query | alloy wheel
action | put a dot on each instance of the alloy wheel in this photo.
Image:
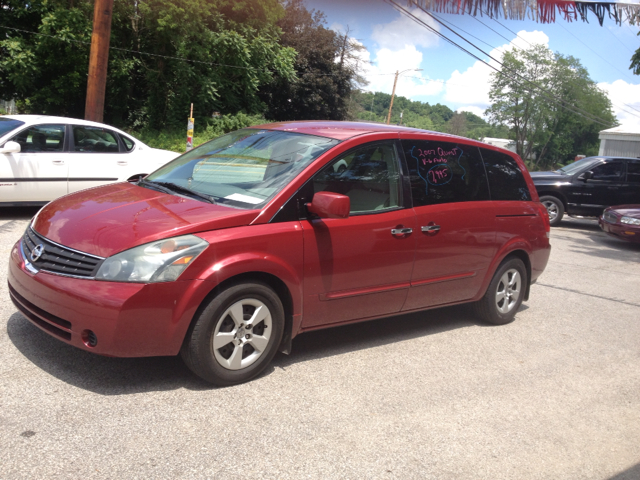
(242, 334)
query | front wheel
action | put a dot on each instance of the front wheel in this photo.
(236, 335)
(505, 293)
(555, 209)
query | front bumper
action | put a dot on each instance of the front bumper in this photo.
(127, 319)
(630, 233)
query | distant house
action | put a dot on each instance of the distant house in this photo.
(500, 142)
(622, 141)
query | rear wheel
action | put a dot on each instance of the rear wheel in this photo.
(236, 335)
(505, 293)
(555, 209)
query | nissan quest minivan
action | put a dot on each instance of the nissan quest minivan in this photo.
(230, 251)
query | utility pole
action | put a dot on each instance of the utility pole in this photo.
(98, 60)
(393, 93)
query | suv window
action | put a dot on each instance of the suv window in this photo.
(369, 176)
(506, 181)
(41, 138)
(633, 172)
(443, 172)
(608, 171)
(94, 140)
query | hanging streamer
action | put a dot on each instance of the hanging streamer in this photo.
(542, 11)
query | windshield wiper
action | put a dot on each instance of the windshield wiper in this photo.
(169, 187)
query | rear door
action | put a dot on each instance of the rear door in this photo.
(95, 158)
(38, 173)
(455, 232)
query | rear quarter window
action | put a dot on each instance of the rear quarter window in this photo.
(506, 181)
(444, 172)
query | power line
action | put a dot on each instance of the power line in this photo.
(561, 102)
(620, 106)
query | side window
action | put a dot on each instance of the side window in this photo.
(369, 176)
(608, 171)
(443, 172)
(633, 172)
(41, 139)
(94, 140)
(128, 143)
(506, 181)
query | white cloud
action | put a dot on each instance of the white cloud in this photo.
(405, 31)
(625, 97)
(471, 87)
(397, 51)
(472, 109)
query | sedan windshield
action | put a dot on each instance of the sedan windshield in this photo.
(579, 165)
(242, 169)
(8, 124)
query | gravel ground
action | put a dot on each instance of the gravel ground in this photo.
(435, 395)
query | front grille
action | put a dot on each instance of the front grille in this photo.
(610, 217)
(57, 258)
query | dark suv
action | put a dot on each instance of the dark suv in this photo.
(588, 186)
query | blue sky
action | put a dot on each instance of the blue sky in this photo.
(453, 78)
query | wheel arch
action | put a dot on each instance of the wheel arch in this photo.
(516, 249)
(554, 193)
(268, 279)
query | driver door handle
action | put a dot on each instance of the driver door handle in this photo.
(430, 228)
(401, 231)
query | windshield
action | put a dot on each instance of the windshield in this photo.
(579, 165)
(8, 124)
(243, 169)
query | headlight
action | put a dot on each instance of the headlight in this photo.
(161, 261)
(630, 220)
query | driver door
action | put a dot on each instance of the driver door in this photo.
(358, 267)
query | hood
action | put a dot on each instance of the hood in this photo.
(632, 211)
(107, 220)
(550, 177)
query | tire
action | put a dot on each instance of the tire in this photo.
(236, 335)
(341, 169)
(505, 293)
(555, 209)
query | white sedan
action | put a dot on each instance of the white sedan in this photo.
(44, 157)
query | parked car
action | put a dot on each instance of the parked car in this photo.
(233, 249)
(622, 221)
(44, 157)
(588, 186)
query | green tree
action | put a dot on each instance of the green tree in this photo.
(322, 87)
(531, 93)
(214, 53)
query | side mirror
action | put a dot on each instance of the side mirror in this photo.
(586, 176)
(10, 147)
(330, 205)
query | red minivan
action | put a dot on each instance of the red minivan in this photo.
(228, 252)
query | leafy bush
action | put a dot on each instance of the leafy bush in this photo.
(176, 140)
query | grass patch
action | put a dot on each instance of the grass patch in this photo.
(203, 131)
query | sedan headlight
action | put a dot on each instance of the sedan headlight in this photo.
(630, 220)
(161, 261)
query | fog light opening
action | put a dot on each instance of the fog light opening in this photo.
(89, 338)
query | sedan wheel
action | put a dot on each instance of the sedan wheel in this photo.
(236, 334)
